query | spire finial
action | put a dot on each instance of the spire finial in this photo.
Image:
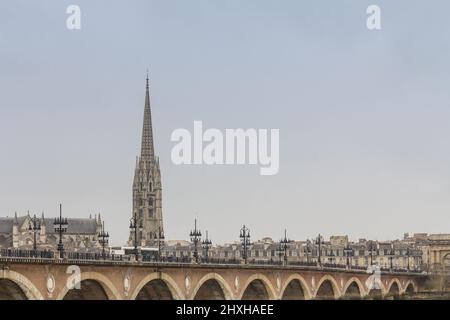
(147, 86)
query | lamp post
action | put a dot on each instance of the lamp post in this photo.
(35, 227)
(348, 251)
(195, 239)
(135, 226)
(284, 245)
(408, 254)
(206, 244)
(161, 238)
(319, 242)
(307, 252)
(372, 249)
(332, 255)
(244, 236)
(391, 258)
(60, 225)
(279, 251)
(103, 239)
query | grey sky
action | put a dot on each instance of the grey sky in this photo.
(363, 115)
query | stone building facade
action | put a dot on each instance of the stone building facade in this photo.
(397, 254)
(81, 234)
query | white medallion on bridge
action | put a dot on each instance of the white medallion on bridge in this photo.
(50, 283)
(126, 284)
(187, 282)
(313, 282)
(342, 283)
(236, 283)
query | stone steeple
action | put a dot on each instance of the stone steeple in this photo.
(147, 150)
(147, 190)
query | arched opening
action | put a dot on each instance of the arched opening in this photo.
(155, 290)
(210, 290)
(88, 290)
(409, 289)
(256, 290)
(352, 291)
(394, 291)
(9, 290)
(293, 291)
(326, 290)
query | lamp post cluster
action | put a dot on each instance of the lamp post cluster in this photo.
(348, 251)
(103, 239)
(161, 238)
(60, 225)
(284, 245)
(135, 227)
(244, 236)
(319, 242)
(372, 249)
(206, 245)
(35, 227)
(195, 239)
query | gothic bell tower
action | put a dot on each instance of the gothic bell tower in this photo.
(147, 185)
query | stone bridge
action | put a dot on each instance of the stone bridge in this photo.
(60, 279)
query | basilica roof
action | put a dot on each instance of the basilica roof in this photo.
(75, 225)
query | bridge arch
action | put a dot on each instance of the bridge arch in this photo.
(24, 284)
(214, 285)
(300, 284)
(165, 279)
(95, 278)
(393, 288)
(410, 287)
(257, 287)
(354, 288)
(327, 288)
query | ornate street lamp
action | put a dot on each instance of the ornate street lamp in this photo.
(319, 242)
(307, 252)
(161, 238)
(135, 227)
(35, 227)
(348, 251)
(60, 225)
(372, 250)
(195, 239)
(206, 245)
(408, 254)
(279, 251)
(244, 236)
(284, 245)
(103, 239)
(391, 257)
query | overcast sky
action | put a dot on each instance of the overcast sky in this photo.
(363, 115)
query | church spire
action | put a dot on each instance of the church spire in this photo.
(147, 151)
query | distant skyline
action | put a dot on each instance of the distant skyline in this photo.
(363, 115)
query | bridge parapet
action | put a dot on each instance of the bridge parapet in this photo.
(42, 278)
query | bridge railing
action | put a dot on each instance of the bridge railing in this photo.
(90, 256)
(95, 256)
(19, 253)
